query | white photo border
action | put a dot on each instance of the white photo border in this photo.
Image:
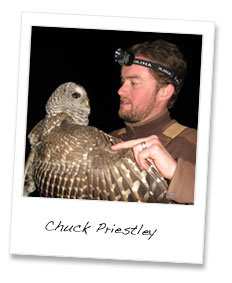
(178, 230)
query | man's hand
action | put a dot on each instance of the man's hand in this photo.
(150, 149)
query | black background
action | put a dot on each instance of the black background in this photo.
(86, 57)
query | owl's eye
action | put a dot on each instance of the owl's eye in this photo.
(76, 95)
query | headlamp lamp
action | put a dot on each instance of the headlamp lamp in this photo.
(127, 58)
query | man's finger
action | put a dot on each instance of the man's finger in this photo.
(131, 143)
(127, 144)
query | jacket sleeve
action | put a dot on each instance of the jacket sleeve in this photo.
(183, 148)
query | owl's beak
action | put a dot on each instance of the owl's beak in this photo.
(87, 102)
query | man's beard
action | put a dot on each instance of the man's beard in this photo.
(134, 115)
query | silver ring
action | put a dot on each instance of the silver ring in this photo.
(144, 145)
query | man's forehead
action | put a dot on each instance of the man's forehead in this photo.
(135, 72)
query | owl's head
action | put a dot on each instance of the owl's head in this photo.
(71, 99)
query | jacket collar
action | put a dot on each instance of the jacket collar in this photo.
(153, 126)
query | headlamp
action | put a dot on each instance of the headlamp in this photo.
(127, 58)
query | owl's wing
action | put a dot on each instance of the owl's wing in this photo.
(77, 162)
(34, 138)
(29, 185)
(132, 183)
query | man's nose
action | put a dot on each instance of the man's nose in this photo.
(123, 90)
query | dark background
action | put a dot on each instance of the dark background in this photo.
(86, 57)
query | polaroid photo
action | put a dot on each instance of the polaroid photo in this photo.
(76, 210)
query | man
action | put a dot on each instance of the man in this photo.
(152, 75)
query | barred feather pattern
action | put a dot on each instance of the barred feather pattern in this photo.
(69, 160)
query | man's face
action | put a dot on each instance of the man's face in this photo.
(137, 94)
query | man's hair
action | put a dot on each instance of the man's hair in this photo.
(168, 55)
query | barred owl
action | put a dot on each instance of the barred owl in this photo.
(69, 159)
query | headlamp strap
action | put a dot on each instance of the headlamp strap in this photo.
(128, 58)
(157, 67)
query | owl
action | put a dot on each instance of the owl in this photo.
(69, 159)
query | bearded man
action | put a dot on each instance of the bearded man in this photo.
(152, 74)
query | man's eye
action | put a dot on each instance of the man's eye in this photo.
(134, 83)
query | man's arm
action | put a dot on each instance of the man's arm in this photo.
(176, 164)
(154, 152)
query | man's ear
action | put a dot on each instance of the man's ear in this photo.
(166, 92)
